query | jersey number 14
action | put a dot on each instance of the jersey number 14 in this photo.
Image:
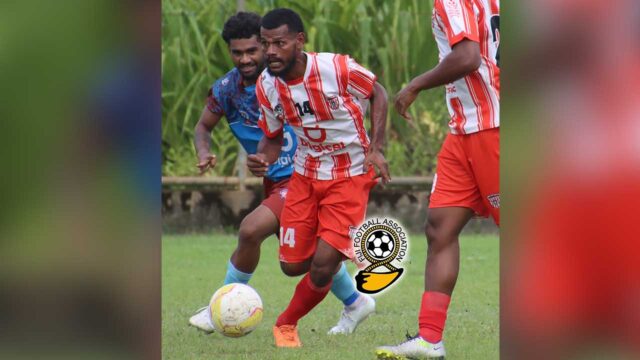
(287, 237)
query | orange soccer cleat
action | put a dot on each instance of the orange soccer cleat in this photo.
(286, 336)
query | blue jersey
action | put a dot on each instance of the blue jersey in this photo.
(238, 103)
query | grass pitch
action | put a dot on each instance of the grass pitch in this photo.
(193, 267)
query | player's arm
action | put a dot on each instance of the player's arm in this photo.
(202, 139)
(375, 155)
(267, 153)
(464, 59)
(270, 145)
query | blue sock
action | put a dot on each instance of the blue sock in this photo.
(235, 276)
(343, 287)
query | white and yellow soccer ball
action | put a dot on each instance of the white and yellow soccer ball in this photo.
(236, 310)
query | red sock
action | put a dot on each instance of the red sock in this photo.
(305, 298)
(433, 314)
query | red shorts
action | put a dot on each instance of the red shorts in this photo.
(274, 195)
(326, 209)
(468, 173)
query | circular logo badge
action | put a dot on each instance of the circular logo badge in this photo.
(380, 245)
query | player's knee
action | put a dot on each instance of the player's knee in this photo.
(249, 234)
(431, 232)
(321, 273)
(293, 269)
(438, 236)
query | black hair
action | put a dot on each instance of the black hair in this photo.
(278, 17)
(242, 25)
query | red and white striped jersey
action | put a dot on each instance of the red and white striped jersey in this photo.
(474, 100)
(326, 109)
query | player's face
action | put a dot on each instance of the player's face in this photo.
(247, 56)
(281, 48)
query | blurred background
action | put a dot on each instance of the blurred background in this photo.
(79, 225)
(570, 180)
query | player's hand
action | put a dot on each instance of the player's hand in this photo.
(206, 162)
(376, 158)
(257, 164)
(404, 99)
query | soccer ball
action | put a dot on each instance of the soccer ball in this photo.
(236, 310)
(380, 244)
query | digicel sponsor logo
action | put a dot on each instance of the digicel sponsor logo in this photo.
(322, 147)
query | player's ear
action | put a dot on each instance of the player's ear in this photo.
(300, 40)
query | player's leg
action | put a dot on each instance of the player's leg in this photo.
(254, 229)
(314, 286)
(335, 222)
(286, 334)
(310, 291)
(342, 204)
(441, 270)
(480, 166)
(300, 221)
(298, 227)
(454, 200)
(356, 306)
(477, 169)
(297, 268)
(343, 287)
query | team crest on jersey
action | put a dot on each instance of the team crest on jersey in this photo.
(334, 103)
(494, 200)
(452, 8)
(283, 193)
(279, 112)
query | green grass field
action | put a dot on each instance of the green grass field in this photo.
(193, 268)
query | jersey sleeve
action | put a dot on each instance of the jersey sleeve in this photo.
(270, 123)
(213, 102)
(459, 20)
(360, 80)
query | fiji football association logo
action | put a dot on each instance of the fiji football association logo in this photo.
(334, 103)
(381, 245)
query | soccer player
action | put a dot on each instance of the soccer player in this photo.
(233, 96)
(466, 180)
(322, 96)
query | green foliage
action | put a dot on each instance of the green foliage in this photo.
(393, 39)
(193, 267)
